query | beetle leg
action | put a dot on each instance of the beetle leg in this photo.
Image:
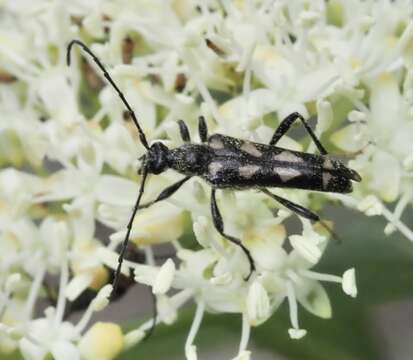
(202, 129)
(285, 126)
(298, 209)
(166, 193)
(183, 129)
(219, 225)
(302, 211)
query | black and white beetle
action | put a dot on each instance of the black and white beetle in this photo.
(229, 163)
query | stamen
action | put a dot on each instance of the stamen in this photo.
(320, 277)
(150, 258)
(100, 301)
(178, 300)
(61, 300)
(406, 231)
(292, 304)
(196, 323)
(245, 334)
(398, 211)
(34, 290)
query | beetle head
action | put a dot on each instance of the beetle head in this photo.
(155, 160)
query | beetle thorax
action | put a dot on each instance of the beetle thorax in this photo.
(190, 159)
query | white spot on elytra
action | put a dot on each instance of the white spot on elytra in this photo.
(328, 164)
(326, 179)
(214, 167)
(287, 156)
(216, 143)
(251, 149)
(248, 171)
(286, 174)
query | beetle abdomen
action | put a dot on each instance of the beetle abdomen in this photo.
(313, 172)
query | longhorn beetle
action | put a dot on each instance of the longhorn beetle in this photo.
(230, 163)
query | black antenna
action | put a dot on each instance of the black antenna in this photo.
(108, 78)
(144, 175)
(128, 231)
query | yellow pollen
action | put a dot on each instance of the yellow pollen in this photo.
(355, 63)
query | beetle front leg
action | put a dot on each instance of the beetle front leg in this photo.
(166, 193)
(285, 126)
(219, 225)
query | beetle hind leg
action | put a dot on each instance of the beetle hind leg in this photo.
(219, 225)
(285, 126)
(298, 209)
(302, 211)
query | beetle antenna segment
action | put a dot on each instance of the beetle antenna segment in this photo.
(110, 80)
(128, 231)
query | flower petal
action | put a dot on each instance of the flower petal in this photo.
(349, 282)
(315, 299)
(258, 304)
(164, 278)
(103, 341)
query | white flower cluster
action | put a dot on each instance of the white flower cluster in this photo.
(69, 156)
